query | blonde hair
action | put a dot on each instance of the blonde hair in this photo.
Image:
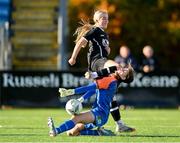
(83, 29)
(86, 26)
(98, 14)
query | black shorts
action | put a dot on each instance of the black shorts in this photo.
(98, 64)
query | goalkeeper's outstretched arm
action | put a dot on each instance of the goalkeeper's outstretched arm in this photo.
(87, 95)
(79, 90)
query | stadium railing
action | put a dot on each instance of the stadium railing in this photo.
(5, 47)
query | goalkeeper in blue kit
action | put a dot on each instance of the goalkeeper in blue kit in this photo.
(104, 89)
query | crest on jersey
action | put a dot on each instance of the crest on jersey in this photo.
(105, 42)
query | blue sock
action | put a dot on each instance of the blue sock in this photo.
(89, 132)
(65, 126)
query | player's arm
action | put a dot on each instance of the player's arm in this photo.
(87, 95)
(79, 90)
(81, 43)
(89, 90)
(108, 49)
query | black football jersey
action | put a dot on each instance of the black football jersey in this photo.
(98, 41)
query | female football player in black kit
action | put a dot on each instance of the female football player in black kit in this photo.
(98, 54)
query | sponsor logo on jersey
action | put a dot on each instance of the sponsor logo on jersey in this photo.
(99, 120)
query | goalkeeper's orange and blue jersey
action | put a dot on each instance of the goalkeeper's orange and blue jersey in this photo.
(104, 83)
(104, 95)
(105, 89)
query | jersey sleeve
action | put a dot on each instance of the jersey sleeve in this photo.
(90, 34)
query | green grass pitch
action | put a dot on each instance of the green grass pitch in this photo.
(30, 125)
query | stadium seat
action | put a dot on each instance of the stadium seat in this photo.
(34, 37)
(4, 10)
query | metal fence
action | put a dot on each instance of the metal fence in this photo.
(5, 47)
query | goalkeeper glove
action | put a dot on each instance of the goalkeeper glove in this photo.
(66, 92)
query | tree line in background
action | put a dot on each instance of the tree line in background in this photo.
(135, 23)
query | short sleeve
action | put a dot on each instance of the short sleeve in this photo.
(90, 34)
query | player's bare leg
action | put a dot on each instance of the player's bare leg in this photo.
(76, 130)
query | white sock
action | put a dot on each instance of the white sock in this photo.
(56, 131)
(119, 123)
